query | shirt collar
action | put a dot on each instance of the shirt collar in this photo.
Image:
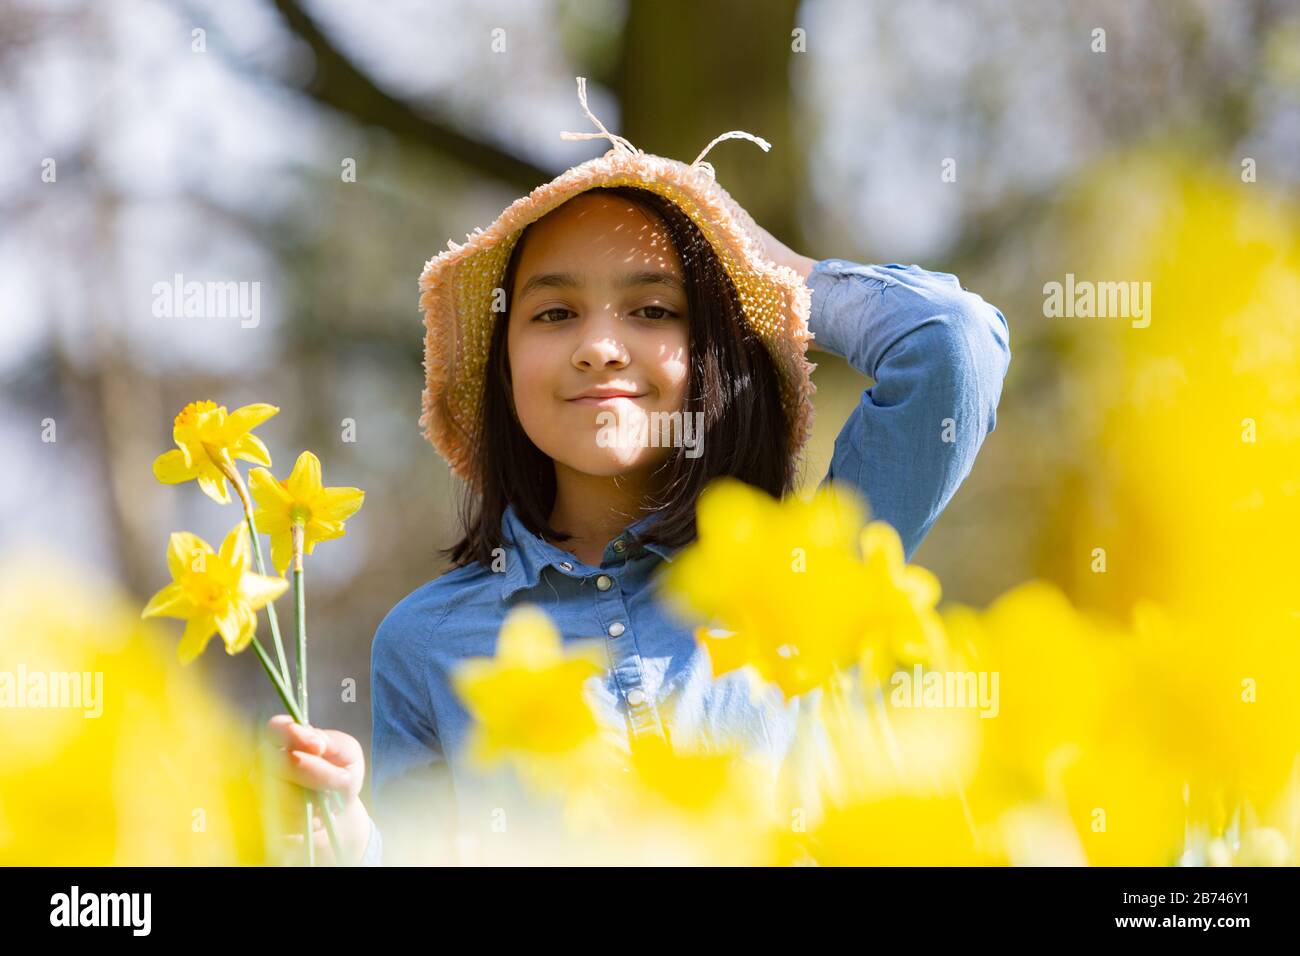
(529, 554)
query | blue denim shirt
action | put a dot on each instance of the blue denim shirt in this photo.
(937, 355)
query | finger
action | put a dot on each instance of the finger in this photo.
(294, 736)
(341, 749)
(276, 761)
(334, 745)
(317, 773)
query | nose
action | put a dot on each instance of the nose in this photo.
(600, 347)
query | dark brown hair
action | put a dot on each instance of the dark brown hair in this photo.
(732, 379)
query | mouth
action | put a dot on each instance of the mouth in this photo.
(603, 399)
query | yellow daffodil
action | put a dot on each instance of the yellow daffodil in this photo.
(213, 592)
(903, 627)
(528, 699)
(300, 499)
(800, 603)
(711, 804)
(783, 576)
(891, 786)
(208, 439)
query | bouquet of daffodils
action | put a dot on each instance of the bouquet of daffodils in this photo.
(215, 591)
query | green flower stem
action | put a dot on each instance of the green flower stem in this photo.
(300, 625)
(296, 714)
(261, 569)
(300, 612)
(235, 478)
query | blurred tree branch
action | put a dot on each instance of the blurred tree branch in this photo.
(690, 71)
(337, 82)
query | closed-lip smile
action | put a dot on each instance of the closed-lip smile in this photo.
(599, 396)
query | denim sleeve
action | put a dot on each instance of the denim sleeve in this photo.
(374, 852)
(406, 755)
(938, 355)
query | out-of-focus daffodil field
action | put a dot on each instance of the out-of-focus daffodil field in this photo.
(1093, 660)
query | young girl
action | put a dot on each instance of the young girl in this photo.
(610, 297)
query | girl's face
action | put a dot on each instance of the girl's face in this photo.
(598, 336)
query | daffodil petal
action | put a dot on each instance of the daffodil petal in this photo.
(251, 448)
(246, 627)
(187, 554)
(241, 420)
(258, 590)
(215, 488)
(236, 550)
(281, 550)
(879, 540)
(267, 491)
(726, 653)
(528, 638)
(227, 621)
(272, 522)
(304, 482)
(171, 468)
(169, 602)
(322, 531)
(337, 504)
(922, 585)
(198, 632)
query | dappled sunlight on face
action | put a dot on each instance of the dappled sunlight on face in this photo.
(599, 337)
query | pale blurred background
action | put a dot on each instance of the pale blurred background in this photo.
(221, 156)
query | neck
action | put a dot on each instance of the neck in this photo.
(594, 510)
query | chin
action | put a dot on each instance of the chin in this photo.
(611, 462)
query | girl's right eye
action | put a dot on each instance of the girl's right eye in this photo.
(542, 316)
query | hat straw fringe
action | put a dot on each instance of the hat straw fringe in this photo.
(619, 142)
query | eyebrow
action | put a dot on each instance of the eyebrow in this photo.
(567, 280)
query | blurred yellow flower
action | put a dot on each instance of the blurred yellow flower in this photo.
(1219, 697)
(887, 786)
(903, 627)
(147, 769)
(669, 803)
(798, 602)
(208, 439)
(300, 499)
(528, 699)
(782, 576)
(1067, 745)
(213, 592)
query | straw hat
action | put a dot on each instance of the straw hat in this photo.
(456, 286)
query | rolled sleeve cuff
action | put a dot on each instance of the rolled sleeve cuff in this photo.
(832, 329)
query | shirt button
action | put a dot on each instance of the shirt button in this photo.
(620, 545)
(566, 565)
(635, 697)
(603, 582)
(616, 629)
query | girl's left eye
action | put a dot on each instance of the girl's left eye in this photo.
(667, 313)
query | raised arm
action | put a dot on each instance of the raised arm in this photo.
(938, 355)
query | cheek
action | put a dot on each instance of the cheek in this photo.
(672, 367)
(532, 371)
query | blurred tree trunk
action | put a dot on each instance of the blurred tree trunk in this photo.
(690, 71)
